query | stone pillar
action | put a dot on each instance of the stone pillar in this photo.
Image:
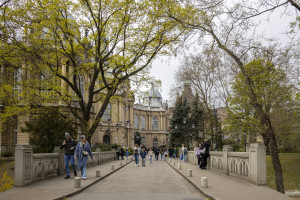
(226, 149)
(61, 160)
(204, 182)
(98, 172)
(189, 173)
(98, 150)
(23, 165)
(257, 162)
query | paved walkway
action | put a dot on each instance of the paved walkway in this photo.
(58, 186)
(222, 187)
(155, 181)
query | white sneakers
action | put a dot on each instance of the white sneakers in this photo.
(84, 178)
(136, 165)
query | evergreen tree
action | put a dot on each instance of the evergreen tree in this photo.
(196, 120)
(48, 131)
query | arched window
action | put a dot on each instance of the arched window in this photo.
(143, 122)
(155, 142)
(107, 113)
(143, 141)
(136, 122)
(155, 123)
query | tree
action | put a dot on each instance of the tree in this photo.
(229, 31)
(178, 134)
(196, 120)
(47, 131)
(84, 52)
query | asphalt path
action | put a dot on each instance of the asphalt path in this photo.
(155, 181)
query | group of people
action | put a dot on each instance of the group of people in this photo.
(81, 150)
(202, 153)
(76, 151)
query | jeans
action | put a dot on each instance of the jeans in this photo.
(83, 172)
(183, 157)
(150, 158)
(174, 155)
(136, 158)
(67, 160)
(156, 156)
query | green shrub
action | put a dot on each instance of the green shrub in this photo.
(7, 154)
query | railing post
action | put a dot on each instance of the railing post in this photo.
(61, 160)
(226, 149)
(23, 165)
(257, 162)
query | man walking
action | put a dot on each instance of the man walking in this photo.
(69, 146)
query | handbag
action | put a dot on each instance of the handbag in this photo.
(202, 151)
(85, 153)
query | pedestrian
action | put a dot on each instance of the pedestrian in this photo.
(162, 153)
(156, 153)
(118, 152)
(204, 156)
(127, 153)
(166, 154)
(136, 150)
(198, 154)
(150, 153)
(82, 151)
(69, 145)
(183, 153)
(122, 153)
(143, 155)
(171, 152)
(174, 153)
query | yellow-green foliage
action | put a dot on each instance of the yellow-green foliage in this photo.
(6, 182)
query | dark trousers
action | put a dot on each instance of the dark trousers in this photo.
(199, 159)
(118, 155)
(156, 156)
(203, 162)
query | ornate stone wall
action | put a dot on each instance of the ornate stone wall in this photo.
(250, 166)
(31, 167)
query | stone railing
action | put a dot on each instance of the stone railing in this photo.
(250, 166)
(31, 167)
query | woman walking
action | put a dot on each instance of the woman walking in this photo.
(198, 154)
(136, 154)
(82, 151)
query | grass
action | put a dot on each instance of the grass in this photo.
(290, 164)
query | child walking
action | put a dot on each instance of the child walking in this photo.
(150, 155)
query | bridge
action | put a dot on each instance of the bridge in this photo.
(231, 176)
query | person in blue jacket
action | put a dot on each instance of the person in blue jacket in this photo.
(82, 151)
(143, 155)
(127, 153)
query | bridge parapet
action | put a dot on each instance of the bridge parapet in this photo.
(250, 166)
(31, 167)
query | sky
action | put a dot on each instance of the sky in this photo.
(163, 68)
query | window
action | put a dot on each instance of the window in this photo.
(136, 122)
(17, 81)
(155, 124)
(143, 141)
(16, 134)
(155, 142)
(80, 84)
(143, 122)
(107, 113)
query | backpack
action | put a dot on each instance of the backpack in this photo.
(185, 151)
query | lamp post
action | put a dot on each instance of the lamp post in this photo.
(216, 131)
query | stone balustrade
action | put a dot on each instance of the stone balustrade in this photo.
(250, 166)
(31, 167)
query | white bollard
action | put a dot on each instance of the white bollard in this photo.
(189, 173)
(204, 182)
(173, 163)
(126, 161)
(120, 163)
(77, 182)
(112, 166)
(179, 166)
(98, 172)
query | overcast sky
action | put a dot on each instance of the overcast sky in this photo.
(164, 68)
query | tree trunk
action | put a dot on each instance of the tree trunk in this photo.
(276, 162)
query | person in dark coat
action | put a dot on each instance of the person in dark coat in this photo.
(204, 156)
(69, 145)
(156, 153)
